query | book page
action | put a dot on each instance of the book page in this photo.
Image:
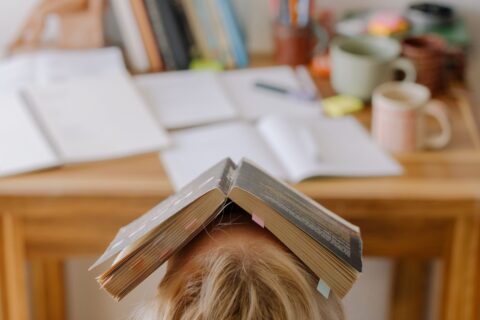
(185, 98)
(253, 102)
(309, 147)
(23, 146)
(96, 118)
(195, 149)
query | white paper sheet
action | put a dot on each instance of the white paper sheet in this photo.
(253, 102)
(309, 147)
(22, 145)
(196, 149)
(96, 118)
(185, 98)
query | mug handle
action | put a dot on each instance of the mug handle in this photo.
(408, 68)
(437, 110)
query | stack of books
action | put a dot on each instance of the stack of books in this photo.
(167, 34)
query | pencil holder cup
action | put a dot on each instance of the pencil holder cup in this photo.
(295, 45)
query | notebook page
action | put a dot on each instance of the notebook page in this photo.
(16, 72)
(253, 102)
(47, 66)
(96, 118)
(61, 65)
(186, 98)
(22, 144)
(309, 147)
(195, 149)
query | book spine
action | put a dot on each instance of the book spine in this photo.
(232, 27)
(194, 23)
(136, 52)
(176, 37)
(148, 37)
(208, 30)
(159, 31)
(222, 34)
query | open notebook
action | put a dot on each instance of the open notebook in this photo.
(290, 148)
(49, 66)
(84, 119)
(185, 98)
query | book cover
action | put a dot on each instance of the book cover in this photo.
(199, 37)
(176, 37)
(208, 30)
(233, 29)
(148, 36)
(153, 11)
(221, 33)
(132, 40)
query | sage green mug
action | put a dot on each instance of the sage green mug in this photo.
(360, 64)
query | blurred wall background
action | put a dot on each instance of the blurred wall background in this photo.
(369, 299)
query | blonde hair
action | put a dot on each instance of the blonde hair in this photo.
(243, 282)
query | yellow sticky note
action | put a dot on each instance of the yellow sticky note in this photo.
(341, 105)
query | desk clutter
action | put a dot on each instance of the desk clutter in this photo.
(69, 115)
(64, 107)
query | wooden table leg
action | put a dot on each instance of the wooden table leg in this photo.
(462, 271)
(48, 290)
(13, 269)
(410, 288)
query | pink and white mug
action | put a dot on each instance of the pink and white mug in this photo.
(400, 110)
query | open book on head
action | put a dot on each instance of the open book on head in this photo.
(188, 98)
(327, 244)
(289, 148)
(84, 119)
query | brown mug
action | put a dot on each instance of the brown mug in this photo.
(295, 45)
(428, 54)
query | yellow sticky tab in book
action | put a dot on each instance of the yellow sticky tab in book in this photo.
(341, 105)
(323, 288)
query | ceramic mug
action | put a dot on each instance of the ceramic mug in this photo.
(399, 116)
(362, 63)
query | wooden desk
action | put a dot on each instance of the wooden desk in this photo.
(433, 211)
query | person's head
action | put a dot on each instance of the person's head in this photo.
(238, 270)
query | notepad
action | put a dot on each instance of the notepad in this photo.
(85, 119)
(289, 148)
(185, 98)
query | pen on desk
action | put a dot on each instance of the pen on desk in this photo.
(298, 94)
